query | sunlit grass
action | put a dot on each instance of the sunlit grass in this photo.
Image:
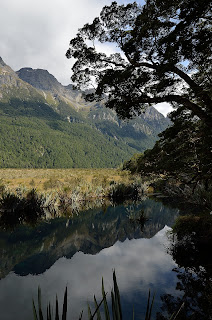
(68, 190)
(61, 179)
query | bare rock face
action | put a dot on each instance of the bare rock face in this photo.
(11, 86)
(7, 75)
(40, 79)
(149, 123)
(2, 63)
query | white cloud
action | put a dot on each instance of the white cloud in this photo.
(164, 108)
(37, 33)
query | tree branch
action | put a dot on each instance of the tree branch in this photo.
(198, 90)
(138, 64)
(194, 86)
(182, 100)
(114, 63)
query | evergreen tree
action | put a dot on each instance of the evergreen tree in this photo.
(161, 44)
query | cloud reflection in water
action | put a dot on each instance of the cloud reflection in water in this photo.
(140, 264)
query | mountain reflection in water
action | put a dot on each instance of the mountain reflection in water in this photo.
(78, 251)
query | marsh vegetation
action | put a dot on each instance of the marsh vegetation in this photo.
(54, 192)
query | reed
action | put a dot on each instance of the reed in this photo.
(115, 313)
(102, 310)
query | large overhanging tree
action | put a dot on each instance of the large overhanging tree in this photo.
(159, 47)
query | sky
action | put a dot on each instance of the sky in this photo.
(37, 33)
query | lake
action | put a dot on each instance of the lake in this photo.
(79, 250)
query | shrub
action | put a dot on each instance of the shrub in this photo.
(121, 192)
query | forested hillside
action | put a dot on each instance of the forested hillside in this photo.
(49, 125)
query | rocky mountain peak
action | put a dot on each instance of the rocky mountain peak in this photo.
(152, 114)
(8, 77)
(12, 87)
(40, 79)
(2, 63)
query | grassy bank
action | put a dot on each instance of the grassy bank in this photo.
(61, 179)
(65, 190)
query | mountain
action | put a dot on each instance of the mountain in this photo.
(151, 122)
(89, 232)
(139, 133)
(45, 124)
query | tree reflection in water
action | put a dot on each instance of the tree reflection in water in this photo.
(191, 250)
(32, 208)
(17, 210)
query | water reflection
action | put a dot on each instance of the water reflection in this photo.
(77, 251)
(33, 250)
(196, 297)
(191, 251)
(139, 264)
(15, 210)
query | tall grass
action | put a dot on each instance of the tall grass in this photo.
(68, 190)
(58, 179)
(102, 310)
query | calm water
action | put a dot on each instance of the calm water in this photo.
(79, 251)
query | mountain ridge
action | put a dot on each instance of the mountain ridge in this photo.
(149, 119)
(46, 124)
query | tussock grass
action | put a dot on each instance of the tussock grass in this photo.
(61, 179)
(69, 190)
(65, 189)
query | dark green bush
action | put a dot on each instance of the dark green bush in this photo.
(121, 192)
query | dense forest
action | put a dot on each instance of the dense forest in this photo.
(38, 143)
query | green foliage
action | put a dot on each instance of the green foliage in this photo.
(16, 209)
(198, 227)
(28, 108)
(38, 143)
(183, 149)
(134, 163)
(33, 135)
(156, 40)
(121, 192)
(163, 44)
(183, 157)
